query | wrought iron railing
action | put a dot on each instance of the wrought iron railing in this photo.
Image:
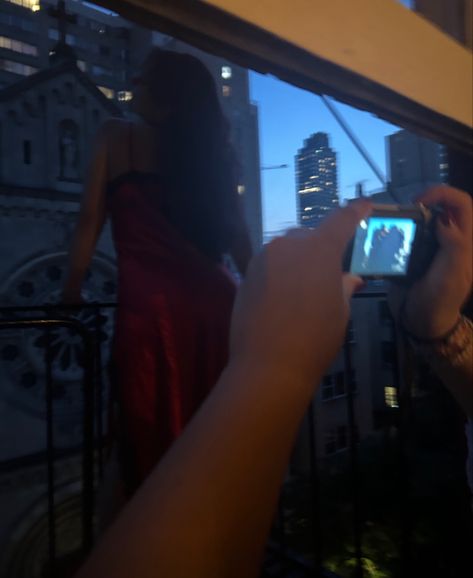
(84, 322)
(46, 325)
(283, 558)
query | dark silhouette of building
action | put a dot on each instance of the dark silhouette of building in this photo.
(415, 163)
(316, 180)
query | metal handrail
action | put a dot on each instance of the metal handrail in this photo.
(88, 422)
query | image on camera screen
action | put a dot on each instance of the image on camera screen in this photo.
(382, 246)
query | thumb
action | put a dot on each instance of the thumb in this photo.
(351, 284)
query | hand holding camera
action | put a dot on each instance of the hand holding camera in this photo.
(426, 251)
(433, 302)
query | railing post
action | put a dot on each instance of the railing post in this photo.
(315, 488)
(46, 324)
(88, 446)
(355, 474)
(99, 388)
(50, 455)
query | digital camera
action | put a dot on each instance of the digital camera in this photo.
(397, 242)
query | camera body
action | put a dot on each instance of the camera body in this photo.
(397, 242)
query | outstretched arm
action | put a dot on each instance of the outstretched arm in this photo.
(206, 510)
(90, 222)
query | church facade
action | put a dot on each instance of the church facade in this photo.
(48, 123)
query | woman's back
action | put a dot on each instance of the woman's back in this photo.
(168, 183)
(175, 303)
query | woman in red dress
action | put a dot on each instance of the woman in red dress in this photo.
(168, 184)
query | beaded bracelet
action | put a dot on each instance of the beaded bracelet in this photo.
(454, 347)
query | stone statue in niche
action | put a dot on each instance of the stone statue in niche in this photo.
(68, 151)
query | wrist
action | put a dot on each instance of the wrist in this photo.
(427, 325)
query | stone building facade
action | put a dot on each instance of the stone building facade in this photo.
(47, 128)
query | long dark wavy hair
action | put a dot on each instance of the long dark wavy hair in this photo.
(199, 168)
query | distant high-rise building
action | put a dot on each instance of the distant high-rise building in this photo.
(316, 180)
(415, 163)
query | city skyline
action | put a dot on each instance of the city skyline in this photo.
(287, 116)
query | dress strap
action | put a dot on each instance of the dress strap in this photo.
(130, 146)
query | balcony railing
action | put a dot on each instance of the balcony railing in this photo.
(298, 545)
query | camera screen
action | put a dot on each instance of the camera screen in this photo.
(382, 246)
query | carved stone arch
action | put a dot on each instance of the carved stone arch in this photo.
(38, 281)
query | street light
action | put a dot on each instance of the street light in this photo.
(272, 167)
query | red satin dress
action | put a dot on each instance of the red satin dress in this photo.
(172, 325)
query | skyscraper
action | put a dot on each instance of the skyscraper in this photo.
(415, 163)
(316, 179)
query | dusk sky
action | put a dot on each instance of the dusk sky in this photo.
(288, 115)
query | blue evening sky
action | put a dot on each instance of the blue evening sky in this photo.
(288, 115)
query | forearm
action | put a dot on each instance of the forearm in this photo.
(80, 254)
(235, 451)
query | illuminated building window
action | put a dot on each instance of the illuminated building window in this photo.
(124, 95)
(226, 72)
(33, 5)
(17, 67)
(82, 65)
(390, 396)
(108, 92)
(17, 46)
(241, 189)
(226, 90)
